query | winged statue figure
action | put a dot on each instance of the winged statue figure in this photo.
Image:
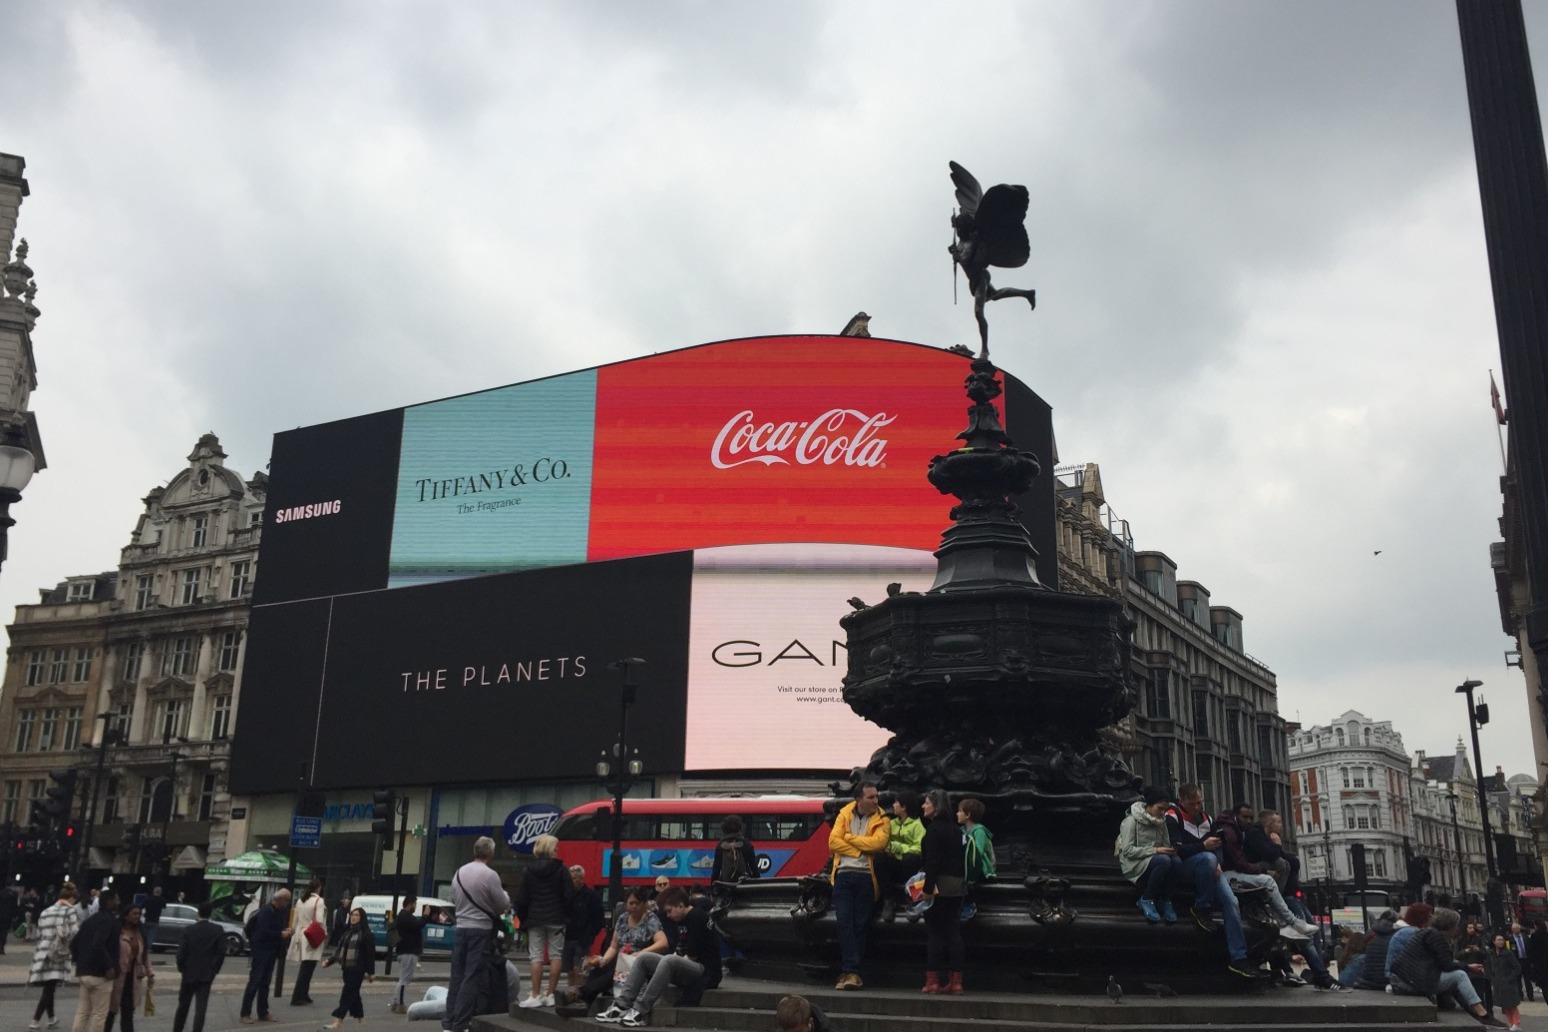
(990, 230)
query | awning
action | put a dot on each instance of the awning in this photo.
(189, 858)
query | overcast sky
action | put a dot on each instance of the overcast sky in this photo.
(1263, 299)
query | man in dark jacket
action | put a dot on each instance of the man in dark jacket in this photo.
(340, 919)
(95, 952)
(1428, 967)
(1188, 826)
(586, 920)
(1261, 847)
(267, 939)
(199, 956)
(1374, 974)
(696, 955)
(411, 943)
(1239, 870)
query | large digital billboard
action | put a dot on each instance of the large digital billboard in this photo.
(768, 478)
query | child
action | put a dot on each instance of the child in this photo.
(979, 844)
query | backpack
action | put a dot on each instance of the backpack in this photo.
(252, 925)
(977, 861)
(733, 862)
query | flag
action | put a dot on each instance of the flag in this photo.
(1494, 396)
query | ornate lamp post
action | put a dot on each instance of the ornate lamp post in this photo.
(17, 465)
(629, 768)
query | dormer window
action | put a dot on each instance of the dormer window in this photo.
(80, 591)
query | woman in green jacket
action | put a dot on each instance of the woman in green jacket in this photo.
(1145, 853)
(903, 858)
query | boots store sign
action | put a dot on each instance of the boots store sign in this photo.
(524, 824)
(762, 440)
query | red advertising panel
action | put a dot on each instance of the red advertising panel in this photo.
(817, 439)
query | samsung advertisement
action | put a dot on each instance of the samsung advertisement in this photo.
(458, 576)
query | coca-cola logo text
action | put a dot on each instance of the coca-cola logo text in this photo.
(838, 435)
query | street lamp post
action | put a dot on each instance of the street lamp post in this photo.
(629, 767)
(166, 822)
(109, 737)
(1327, 863)
(1456, 830)
(17, 465)
(1476, 716)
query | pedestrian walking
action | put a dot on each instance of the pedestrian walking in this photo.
(135, 977)
(10, 915)
(356, 957)
(95, 952)
(266, 938)
(307, 947)
(200, 954)
(51, 956)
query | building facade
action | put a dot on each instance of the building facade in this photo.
(1207, 711)
(18, 317)
(133, 676)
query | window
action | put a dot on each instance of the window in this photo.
(241, 579)
(72, 729)
(1160, 697)
(26, 720)
(1359, 777)
(1362, 821)
(58, 664)
(255, 519)
(201, 531)
(193, 585)
(82, 672)
(170, 716)
(12, 803)
(1349, 817)
(1344, 773)
(35, 667)
(229, 646)
(179, 659)
(147, 799)
(80, 591)
(1375, 816)
(1339, 734)
(1201, 714)
(1380, 858)
(144, 591)
(125, 717)
(1234, 731)
(48, 730)
(220, 716)
(1163, 766)
(1365, 732)
(35, 789)
(207, 797)
(110, 796)
(133, 653)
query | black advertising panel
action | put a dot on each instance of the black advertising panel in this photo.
(505, 678)
(328, 523)
(277, 718)
(1029, 421)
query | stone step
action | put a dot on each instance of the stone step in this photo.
(1268, 1006)
(763, 1020)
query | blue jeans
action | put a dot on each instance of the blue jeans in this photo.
(1211, 889)
(1160, 876)
(468, 979)
(1458, 983)
(1350, 973)
(853, 898)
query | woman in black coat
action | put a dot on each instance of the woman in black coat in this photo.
(355, 955)
(1504, 970)
(944, 884)
(543, 907)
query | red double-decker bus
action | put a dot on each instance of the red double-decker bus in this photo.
(677, 837)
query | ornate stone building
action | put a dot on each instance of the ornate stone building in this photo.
(18, 317)
(136, 672)
(1208, 712)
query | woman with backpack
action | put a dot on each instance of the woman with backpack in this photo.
(51, 963)
(945, 888)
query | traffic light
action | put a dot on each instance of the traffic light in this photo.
(59, 798)
(384, 810)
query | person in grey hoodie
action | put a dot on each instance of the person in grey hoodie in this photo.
(1147, 857)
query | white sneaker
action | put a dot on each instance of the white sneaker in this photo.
(634, 1019)
(1292, 932)
(531, 1001)
(1306, 928)
(546, 1000)
(614, 1014)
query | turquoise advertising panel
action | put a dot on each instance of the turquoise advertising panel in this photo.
(495, 481)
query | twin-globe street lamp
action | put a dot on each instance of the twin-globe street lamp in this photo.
(629, 768)
(17, 465)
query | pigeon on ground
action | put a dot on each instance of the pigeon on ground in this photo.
(1114, 990)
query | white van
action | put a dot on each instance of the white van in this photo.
(439, 930)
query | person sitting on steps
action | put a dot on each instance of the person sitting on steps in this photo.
(1188, 824)
(1428, 967)
(1147, 857)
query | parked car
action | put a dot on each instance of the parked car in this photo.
(175, 919)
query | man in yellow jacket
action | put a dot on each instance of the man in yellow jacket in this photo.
(859, 833)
